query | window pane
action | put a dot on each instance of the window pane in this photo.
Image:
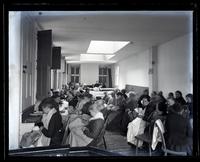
(77, 79)
(100, 79)
(72, 70)
(77, 70)
(104, 71)
(72, 78)
(100, 71)
(104, 80)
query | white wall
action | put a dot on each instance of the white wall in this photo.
(175, 65)
(14, 78)
(134, 70)
(22, 42)
(89, 73)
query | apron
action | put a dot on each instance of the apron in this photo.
(43, 140)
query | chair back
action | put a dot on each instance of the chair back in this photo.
(97, 141)
(162, 136)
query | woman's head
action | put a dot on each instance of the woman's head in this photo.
(112, 94)
(153, 94)
(171, 101)
(100, 104)
(145, 101)
(119, 94)
(132, 95)
(189, 98)
(123, 91)
(47, 104)
(56, 96)
(171, 94)
(105, 93)
(50, 94)
(88, 97)
(146, 92)
(178, 94)
(93, 109)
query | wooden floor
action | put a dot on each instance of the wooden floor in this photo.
(117, 143)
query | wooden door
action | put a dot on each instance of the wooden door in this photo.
(44, 63)
(28, 41)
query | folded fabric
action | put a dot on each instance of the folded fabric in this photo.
(156, 135)
(30, 138)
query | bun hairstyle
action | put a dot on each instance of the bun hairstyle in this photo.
(48, 102)
(179, 92)
(119, 94)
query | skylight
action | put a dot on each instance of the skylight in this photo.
(106, 47)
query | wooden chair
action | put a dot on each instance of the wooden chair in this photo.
(100, 138)
(145, 137)
(165, 149)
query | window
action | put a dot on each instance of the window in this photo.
(103, 74)
(75, 73)
(117, 75)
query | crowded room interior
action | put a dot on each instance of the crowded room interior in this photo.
(116, 81)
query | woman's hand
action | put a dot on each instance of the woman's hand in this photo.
(42, 127)
(83, 128)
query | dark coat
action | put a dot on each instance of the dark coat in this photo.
(180, 100)
(178, 131)
(151, 107)
(55, 129)
(93, 128)
(121, 103)
(131, 104)
(190, 107)
(128, 117)
(73, 102)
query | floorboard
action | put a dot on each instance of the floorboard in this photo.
(117, 143)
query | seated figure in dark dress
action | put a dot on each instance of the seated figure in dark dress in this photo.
(178, 129)
(51, 124)
(115, 117)
(129, 114)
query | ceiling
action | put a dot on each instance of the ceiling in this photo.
(73, 30)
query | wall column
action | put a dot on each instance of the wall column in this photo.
(153, 69)
(54, 79)
(15, 73)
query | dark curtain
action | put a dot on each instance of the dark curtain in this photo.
(110, 78)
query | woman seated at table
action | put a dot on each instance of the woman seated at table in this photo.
(81, 108)
(138, 125)
(117, 111)
(74, 119)
(51, 125)
(82, 135)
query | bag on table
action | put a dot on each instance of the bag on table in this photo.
(29, 139)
